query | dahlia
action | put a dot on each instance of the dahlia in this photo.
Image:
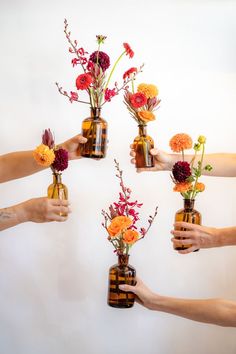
(182, 187)
(180, 142)
(101, 58)
(181, 171)
(61, 160)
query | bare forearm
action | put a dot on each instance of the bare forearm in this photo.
(215, 311)
(17, 164)
(11, 216)
(224, 164)
(226, 236)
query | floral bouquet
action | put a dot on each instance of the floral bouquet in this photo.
(48, 154)
(141, 105)
(120, 224)
(185, 176)
(95, 82)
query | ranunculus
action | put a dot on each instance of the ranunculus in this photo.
(118, 224)
(146, 116)
(43, 155)
(83, 81)
(130, 236)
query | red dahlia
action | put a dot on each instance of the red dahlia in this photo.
(181, 171)
(61, 160)
(101, 58)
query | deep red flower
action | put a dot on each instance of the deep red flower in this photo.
(75, 61)
(138, 100)
(129, 72)
(128, 50)
(101, 58)
(61, 160)
(181, 171)
(109, 94)
(83, 81)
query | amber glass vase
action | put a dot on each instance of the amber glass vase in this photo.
(121, 273)
(187, 214)
(142, 145)
(58, 190)
(94, 128)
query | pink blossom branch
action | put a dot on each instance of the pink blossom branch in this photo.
(150, 221)
(64, 93)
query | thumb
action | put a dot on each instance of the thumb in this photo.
(154, 152)
(82, 139)
(126, 287)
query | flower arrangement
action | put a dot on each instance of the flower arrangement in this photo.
(93, 78)
(142, 103)
(120, 221)
(186, 175)
(48, 154)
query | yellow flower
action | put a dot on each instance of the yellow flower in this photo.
(182, 187)
(201, 139)
(146, 116)
(43, 155)
(180, 142)
(118, 224)
(200, 187)
(148, 90)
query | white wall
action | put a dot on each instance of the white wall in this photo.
(53, 277)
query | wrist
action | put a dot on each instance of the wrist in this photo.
(21, 212)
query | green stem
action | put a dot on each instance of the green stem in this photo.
(199, 169)
(183, 154)
(132, 82)
(114, 66)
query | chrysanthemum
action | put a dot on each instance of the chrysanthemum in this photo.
(182, 187)
(61, 160)
(101, 58)
(130, 236)
(83, 81)
(128, 50)
(200, 187)
(181, 171)
(148, 90)
(129, 72)
(180, 142)
(43, 155)
(146, 116)
(138, 100)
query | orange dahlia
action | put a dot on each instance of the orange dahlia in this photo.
(43, 155)
(182, 187)
(130, 236)
(146, 116)
(118, 224)
(148, 90)
(180, 142)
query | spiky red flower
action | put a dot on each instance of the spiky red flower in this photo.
(138, 100)
(128, 50)
(83, 81)
(181, 171)
(101, 58)
(129, 72)
(61, 160)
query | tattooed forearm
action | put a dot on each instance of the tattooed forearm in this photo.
(5, 215)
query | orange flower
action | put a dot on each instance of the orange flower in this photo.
(130, 236)
(180, 142)
(148, 90)
(43, 155)
(118, 224)
(182, 187)
(200, 187)
(146, 116)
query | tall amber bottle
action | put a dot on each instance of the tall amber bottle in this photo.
(187, 214)
(142, 145)
(58, 190)
(94, 128)
(121, 273)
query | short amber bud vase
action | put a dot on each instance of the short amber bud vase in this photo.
(121, 273)
(187, 214)
(94, 128)
(58, 190)
(142, 144)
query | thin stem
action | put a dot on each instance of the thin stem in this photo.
(199, 169)
(114, 66)
(64, 93)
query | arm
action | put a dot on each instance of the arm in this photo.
(197, 236)
(224, 165)
(215, 311)
(20, 164)
(36, 210)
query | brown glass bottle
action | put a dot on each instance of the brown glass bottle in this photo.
(58, 190)
(187, 214)
(121, 273)
(142, 145)
(94, 128)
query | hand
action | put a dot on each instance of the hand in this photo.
(144, 295)
(43, 210)
(73, 146)
(196, 236)
(162, 160)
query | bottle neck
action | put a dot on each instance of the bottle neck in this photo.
(95, 112)
(142, 129)
(189, 204)
(56, 178)
(123, 259)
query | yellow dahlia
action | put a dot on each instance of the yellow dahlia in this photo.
(148, 90)
(146, 116)
(180, 142)
(43, 155)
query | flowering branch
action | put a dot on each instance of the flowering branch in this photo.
(72, 97)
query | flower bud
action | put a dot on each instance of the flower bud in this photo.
(202, 139)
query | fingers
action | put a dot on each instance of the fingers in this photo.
(59, 202)
(178, 243)
(187, 225)
(182, 233)
(126, 287)
(188, 250)
(80, 139)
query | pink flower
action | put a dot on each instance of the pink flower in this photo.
(129, 72)
(109, 94)
(75, 61)
(73, 96)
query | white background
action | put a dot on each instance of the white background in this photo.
(53, 277)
